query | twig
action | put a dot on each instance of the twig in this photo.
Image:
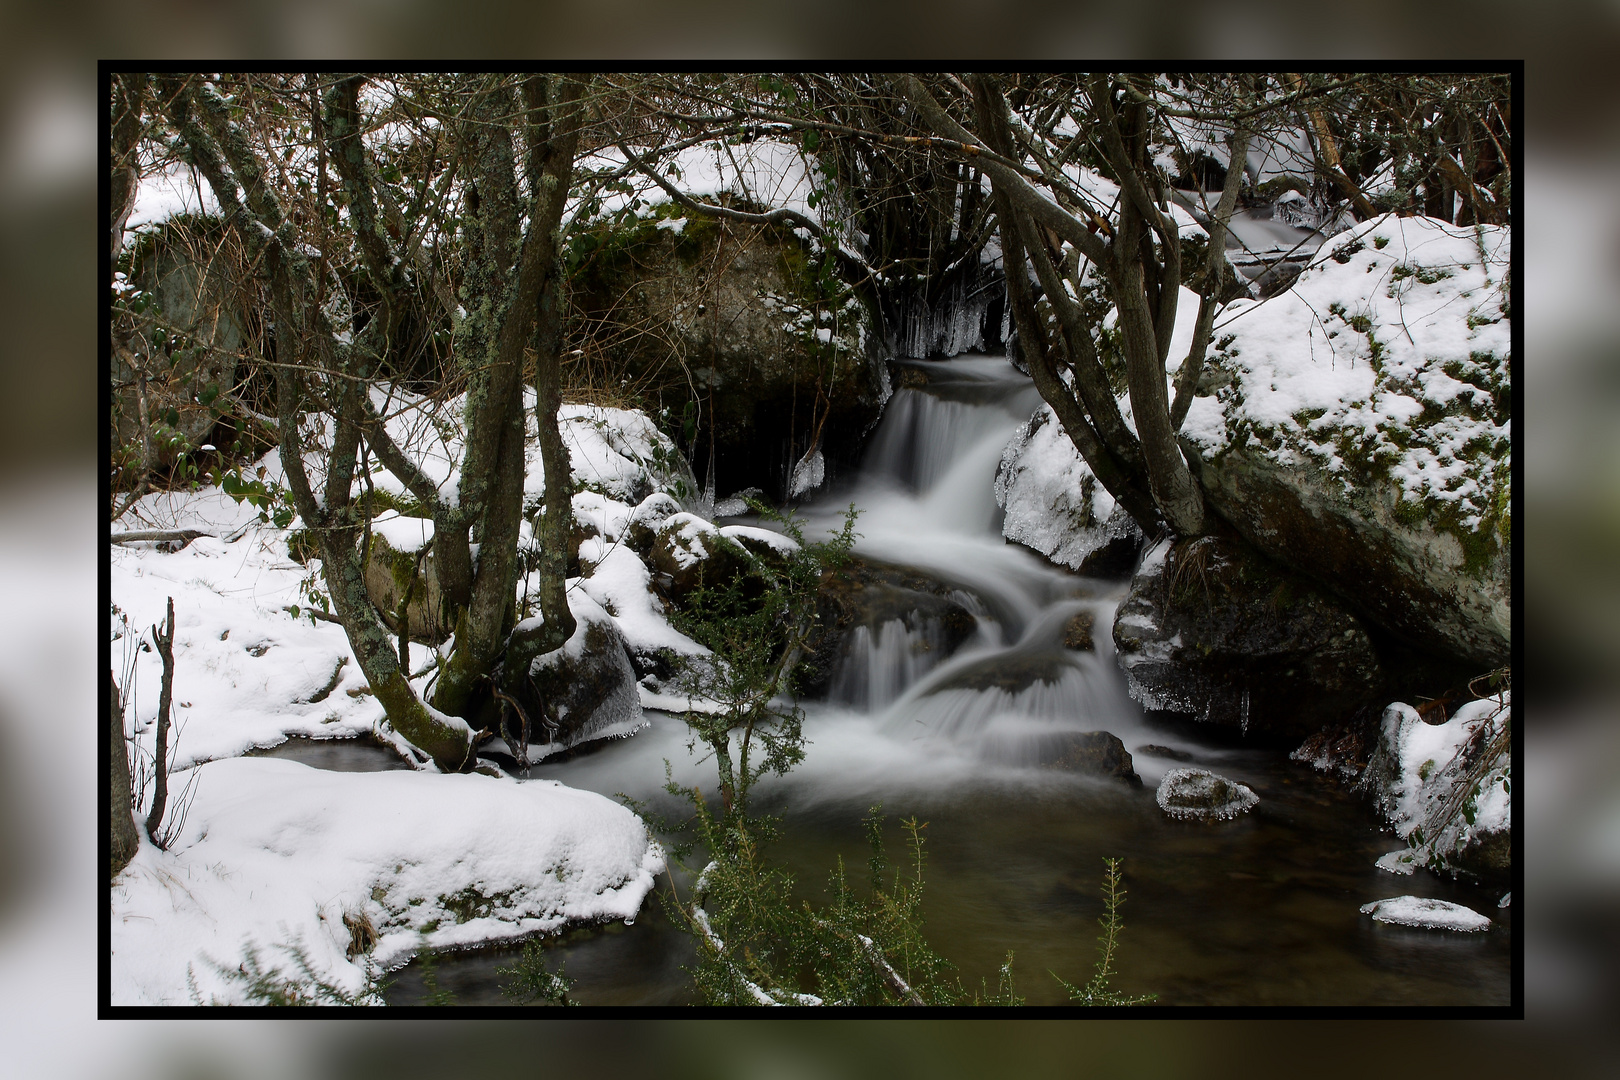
(869, 948)
(175, 536)
(314, 613)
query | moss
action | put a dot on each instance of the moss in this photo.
(1426, 275)
(471, 903)
(1347, 251)
(373, 503)
(401, 564)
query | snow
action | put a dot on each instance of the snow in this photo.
(247, 673)
(407, 534)
(275, 853)
(1426, 766)
(1423, 912)
(784, 545)
(621, 584)
(176, 190)
(1384, 350)
(1053, 503)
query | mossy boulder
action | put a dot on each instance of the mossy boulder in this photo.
(689, 553)
(773, 347)
(1358, 428)
(190, 298)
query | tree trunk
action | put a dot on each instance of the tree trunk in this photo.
(125, 839)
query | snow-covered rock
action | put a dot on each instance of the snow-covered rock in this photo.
(1198, 794)
(1055, 505)
(275, 855)
(1445, 788)
(1359, 428)
(587, 688)
(1426, 913)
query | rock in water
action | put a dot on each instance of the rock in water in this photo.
(1154, 750)
(1095, 753)
(1077, 632)
(1426, 913)
(587, 688)
(1213, 629)
(1446, 788)
(1198, 794)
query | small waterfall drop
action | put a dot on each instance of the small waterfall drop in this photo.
(926, 495)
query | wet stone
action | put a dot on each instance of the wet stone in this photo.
(1093, 753)
(1154, 750)
(1077, 632)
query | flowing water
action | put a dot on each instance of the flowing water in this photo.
(1262, 910)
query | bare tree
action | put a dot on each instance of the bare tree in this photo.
(505, 145)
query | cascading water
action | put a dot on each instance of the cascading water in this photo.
(1263, 910)
(927, 502)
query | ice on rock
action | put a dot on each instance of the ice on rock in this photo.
(1198, 794)
(808, 474)
(1427, 913)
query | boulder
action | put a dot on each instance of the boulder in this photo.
(1200, 795)
(1213, 629)
(1094, 753)
(689, 552)
(645, 520)
(587, 688)
(874, 595)
(1170, 752)
(1054, 504)
(1357, 428)
(190, 273)
(392, 563)
(775, 353)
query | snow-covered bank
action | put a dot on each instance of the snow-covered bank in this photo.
(360, 870)
(274, 853)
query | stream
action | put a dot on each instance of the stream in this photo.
(1262, 910)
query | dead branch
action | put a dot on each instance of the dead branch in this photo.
(163, 635)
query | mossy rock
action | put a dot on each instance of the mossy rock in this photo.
(776, 348)
(389, 573)
(1439, 588)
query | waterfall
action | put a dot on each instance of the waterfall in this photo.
(926, 493)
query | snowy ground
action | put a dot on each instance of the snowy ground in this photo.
(271, 854)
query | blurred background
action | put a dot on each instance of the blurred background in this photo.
(50, 379)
